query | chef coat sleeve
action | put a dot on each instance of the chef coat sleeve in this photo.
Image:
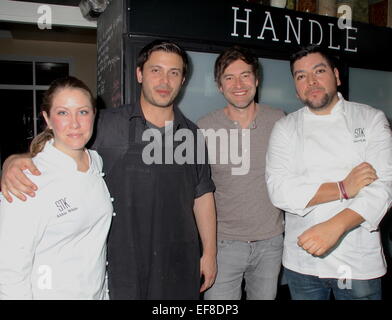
(287, 189)
(374, 200)
(21, 228)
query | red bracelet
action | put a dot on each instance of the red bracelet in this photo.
(341, 185)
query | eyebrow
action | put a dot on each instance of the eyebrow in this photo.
(161, 67)
(321, 64)
(177, 69)
(232, 74)
(77, 108)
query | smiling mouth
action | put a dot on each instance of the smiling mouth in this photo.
(240, 93)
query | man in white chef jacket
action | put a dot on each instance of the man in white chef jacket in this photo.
(329, 167)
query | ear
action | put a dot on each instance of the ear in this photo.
(139, 75)
(219, 86)
(336, 72)
(46, 117)
(220, 89)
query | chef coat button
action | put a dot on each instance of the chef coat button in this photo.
(107, 262)
(111, 199)
(102, 174)
(114, 214)
(107, 290)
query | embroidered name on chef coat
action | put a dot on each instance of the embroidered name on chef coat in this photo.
(359, 135)
(64, 207)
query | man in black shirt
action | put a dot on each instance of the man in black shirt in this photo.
(161, 209)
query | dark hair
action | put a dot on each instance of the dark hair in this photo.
(232, 54)
(39, 141)
(304, 51)
(162, 45)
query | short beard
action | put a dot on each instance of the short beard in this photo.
(157, 104)
(324, 103)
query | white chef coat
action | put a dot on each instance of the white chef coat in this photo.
(293, 178)
(53, 246)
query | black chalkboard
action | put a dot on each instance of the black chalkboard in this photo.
(110, 56)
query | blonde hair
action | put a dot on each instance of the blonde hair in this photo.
(38, 143)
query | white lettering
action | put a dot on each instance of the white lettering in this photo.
(268, 18)
(45, 280)
(311, 32)
(244, 160)
(345, 281)
(169, 142)
(345, 19)
(44, 21)
(290, 23)
(246, 21)
(184, 153)
(152, 153)
(211, 136)
(348, 38)
(330, 38)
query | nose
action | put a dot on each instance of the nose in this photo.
(312, 79)
(238, 82)
(75, 123)
(165, 78)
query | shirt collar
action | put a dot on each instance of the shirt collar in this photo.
(235, 123)
(338, 107)
(60, 159)
(135, 111)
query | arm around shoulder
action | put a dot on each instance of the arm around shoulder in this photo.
(14, 180)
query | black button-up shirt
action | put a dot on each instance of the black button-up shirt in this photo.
(153, 244)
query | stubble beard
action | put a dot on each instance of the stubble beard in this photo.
(150, 99)
(323, 104)
(241, 106)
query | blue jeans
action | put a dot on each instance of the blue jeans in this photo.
(307, 287)
(257, 262)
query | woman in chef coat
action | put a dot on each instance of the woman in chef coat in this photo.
(53, 246)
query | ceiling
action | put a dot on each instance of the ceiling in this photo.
(22, 31)
(27, 31)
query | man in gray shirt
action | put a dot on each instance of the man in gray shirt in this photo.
(250, 228)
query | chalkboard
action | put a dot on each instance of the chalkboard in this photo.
(110, 57)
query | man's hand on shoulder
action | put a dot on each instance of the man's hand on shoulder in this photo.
(14, 181)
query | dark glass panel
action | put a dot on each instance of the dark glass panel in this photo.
(16, 72)
(16, 121)
(46, 72)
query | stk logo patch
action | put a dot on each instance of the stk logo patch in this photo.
(359, 135)
(63, 207)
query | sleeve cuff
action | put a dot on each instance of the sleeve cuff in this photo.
(204, 188)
